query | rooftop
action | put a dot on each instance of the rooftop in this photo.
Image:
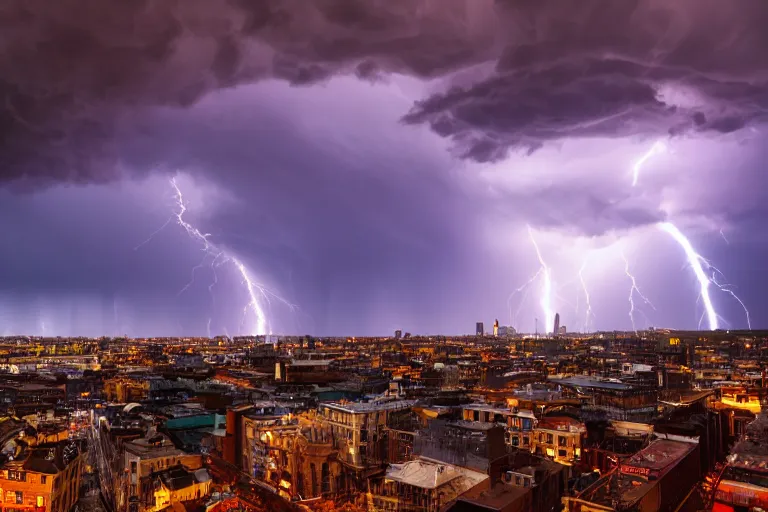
(586, 382)
(362, 407)
(432, 474)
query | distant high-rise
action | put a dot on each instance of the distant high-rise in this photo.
(479, 329)
(496, 327)
(556, 330)
(398, 334)
(563, 331)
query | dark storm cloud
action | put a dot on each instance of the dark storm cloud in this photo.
(599, 68)
(71, 69)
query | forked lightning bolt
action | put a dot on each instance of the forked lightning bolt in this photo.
(546, 295)
(525, 288)
(633, 289)
(215, 257)
(698, 263)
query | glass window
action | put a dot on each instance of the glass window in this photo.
(562, 441)
(526, 441)
(19, 498)
(515, 441)
(550, 439)
(43, 479)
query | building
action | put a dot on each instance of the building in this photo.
(398, 334)
(44, 478)
(611, 399)
(425, 485)
(270, 449)
(142, 459)
(496, 328)
(556, 329)
(177, 485)
(744, 482)
(559, 438)
(658, 477)
(479, 330)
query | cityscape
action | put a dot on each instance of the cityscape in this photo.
(654, 420)
(383, 256)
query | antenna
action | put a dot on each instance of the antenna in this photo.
(536, 323)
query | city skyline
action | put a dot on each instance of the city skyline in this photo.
(228, 177)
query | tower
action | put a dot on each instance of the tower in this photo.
(496, 327)
(556, 330)
(479, 329)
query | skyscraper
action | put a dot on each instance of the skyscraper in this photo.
(496, 327)
(479, 329)
(556, 330)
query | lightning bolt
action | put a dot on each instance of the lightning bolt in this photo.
(524, 288)
(632, 291)
(215, 256)
(695, 262)
(724, 238)
(546, 295)
(699, 263)
(586, 295)
(657, 148)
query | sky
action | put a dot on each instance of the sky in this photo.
(350, 167)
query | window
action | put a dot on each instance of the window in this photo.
(562, 453)
(526, 441)
(43, 479)
(40, 501)
(19, 476)
(515, 441)
(19, 498)
(562, 441)
(550, 439)
(133, 467)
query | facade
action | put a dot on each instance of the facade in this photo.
(270, 451)
(47, 478)
(479, 330)
(560, 439)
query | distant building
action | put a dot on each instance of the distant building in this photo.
(479, 330)
(562, 331)
(506, 330)
(556, 329)
(398, 334)
(496, 327)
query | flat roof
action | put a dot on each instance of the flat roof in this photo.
(586, 382)
(361, 407)
(660, 454)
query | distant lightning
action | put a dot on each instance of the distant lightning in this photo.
(657, 148)
(524, 288)
(699, 263)
(586, 295)
(215, 257)
(634, 289)
(724, 238)
(546, 294)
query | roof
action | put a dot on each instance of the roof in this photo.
(586, 382)
(361, 407)
(660, 455)
(431, 474)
